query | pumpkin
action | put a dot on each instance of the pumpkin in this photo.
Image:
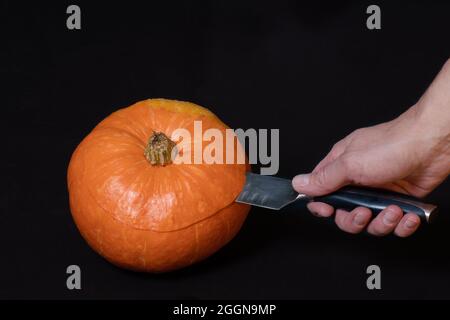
(144, 212)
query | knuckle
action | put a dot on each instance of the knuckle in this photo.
(320, 178)
(337, 147)
(359, 131)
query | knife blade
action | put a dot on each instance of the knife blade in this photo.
(275, 193)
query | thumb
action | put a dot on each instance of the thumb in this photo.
(327, 179)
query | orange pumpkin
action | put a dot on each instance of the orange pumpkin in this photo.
(145, 213)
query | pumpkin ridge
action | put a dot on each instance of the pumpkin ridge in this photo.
(130, 185)
(119, 130)
(119, 114)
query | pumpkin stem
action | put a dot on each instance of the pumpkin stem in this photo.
(159, 149)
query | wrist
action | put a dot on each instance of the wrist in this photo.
(432, 120)
(420, 135)
(432, 111)
(431, 126)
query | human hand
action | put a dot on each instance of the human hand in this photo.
(410, 154)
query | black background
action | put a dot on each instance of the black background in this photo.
(313, 70)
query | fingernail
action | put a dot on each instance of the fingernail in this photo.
(359, 219)
(410, 223)
(301, 180)
(390, 217)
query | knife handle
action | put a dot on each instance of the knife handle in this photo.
(349, 198)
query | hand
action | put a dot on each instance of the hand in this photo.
(410, 154)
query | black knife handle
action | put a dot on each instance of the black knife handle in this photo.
(349, 198)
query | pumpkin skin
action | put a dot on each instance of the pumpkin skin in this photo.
(153, 218)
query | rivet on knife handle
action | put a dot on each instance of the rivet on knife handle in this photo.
(351, 197)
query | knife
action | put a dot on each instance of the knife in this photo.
(275, 193)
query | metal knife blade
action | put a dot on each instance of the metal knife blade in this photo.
(268, 192)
